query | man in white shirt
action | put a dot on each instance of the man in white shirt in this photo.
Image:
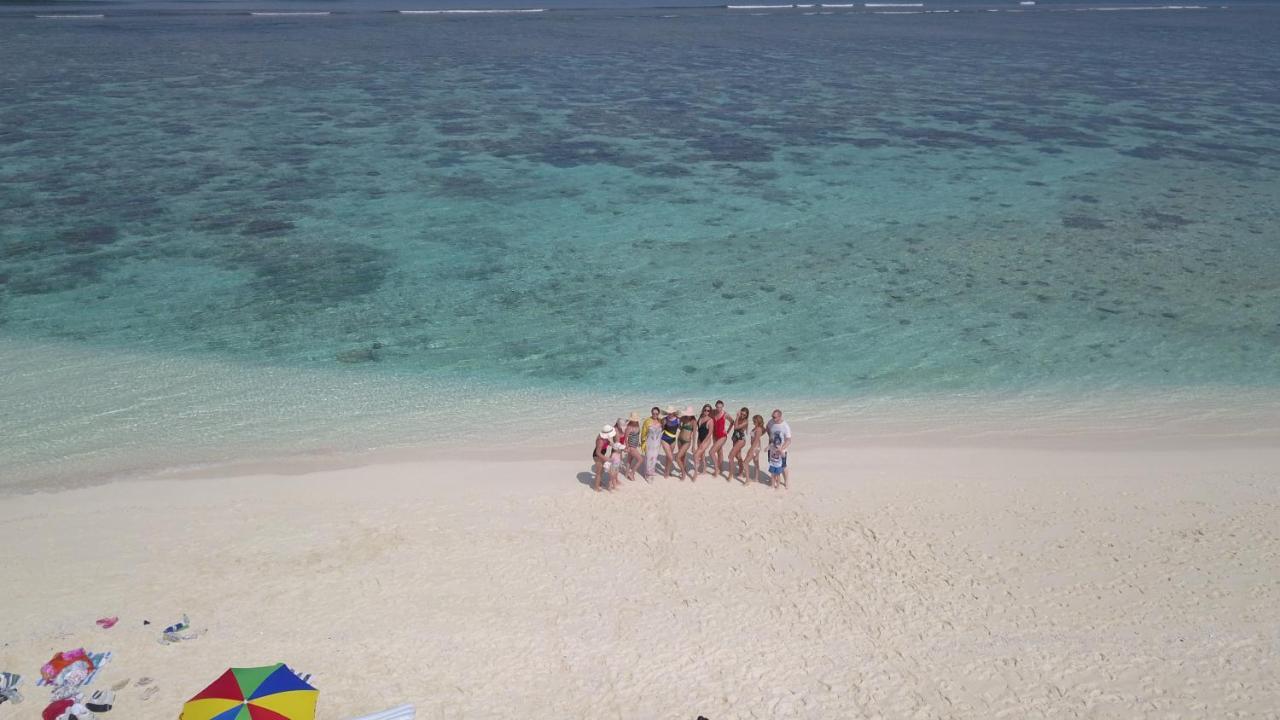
(780, 439)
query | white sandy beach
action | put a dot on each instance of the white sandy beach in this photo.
(915, 580)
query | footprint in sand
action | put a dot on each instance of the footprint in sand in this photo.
(150, 691)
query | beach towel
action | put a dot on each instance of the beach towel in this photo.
(403, 712)
(97, 658)
(651, 461)
(56, 709)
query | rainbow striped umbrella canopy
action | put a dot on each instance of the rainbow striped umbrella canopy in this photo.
(262, 693)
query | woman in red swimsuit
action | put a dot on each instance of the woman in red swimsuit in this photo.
(719, 433)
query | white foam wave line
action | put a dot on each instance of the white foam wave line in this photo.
(286, 14)
(894, 5)
(759, 7)
(495, 11)
(1142, 7)
(70, 17)
(840, 5)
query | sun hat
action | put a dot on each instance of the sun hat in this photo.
(608, 432)
(671, 409)
(688, 411)
(634, 417)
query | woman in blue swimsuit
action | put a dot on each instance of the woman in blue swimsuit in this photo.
(670, 428)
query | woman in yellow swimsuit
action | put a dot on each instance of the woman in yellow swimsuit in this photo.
(651, 442)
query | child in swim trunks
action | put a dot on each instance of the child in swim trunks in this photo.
(777, 463)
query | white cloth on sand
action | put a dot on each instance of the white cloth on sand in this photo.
(401, 712)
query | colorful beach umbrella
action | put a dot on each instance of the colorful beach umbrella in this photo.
(273, 692)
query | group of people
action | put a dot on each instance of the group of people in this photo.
(691, 444)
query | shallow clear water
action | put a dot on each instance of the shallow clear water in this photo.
(619, 201)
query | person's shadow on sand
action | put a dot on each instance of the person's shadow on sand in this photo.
(588, 478)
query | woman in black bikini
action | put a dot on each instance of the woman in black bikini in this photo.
(739, 438)
(684, 441)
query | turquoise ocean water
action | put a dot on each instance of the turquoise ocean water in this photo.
(225, 234)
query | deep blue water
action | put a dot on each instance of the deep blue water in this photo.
(641, 200)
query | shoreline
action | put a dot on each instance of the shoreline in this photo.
(122, 414)
(1205, 418)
